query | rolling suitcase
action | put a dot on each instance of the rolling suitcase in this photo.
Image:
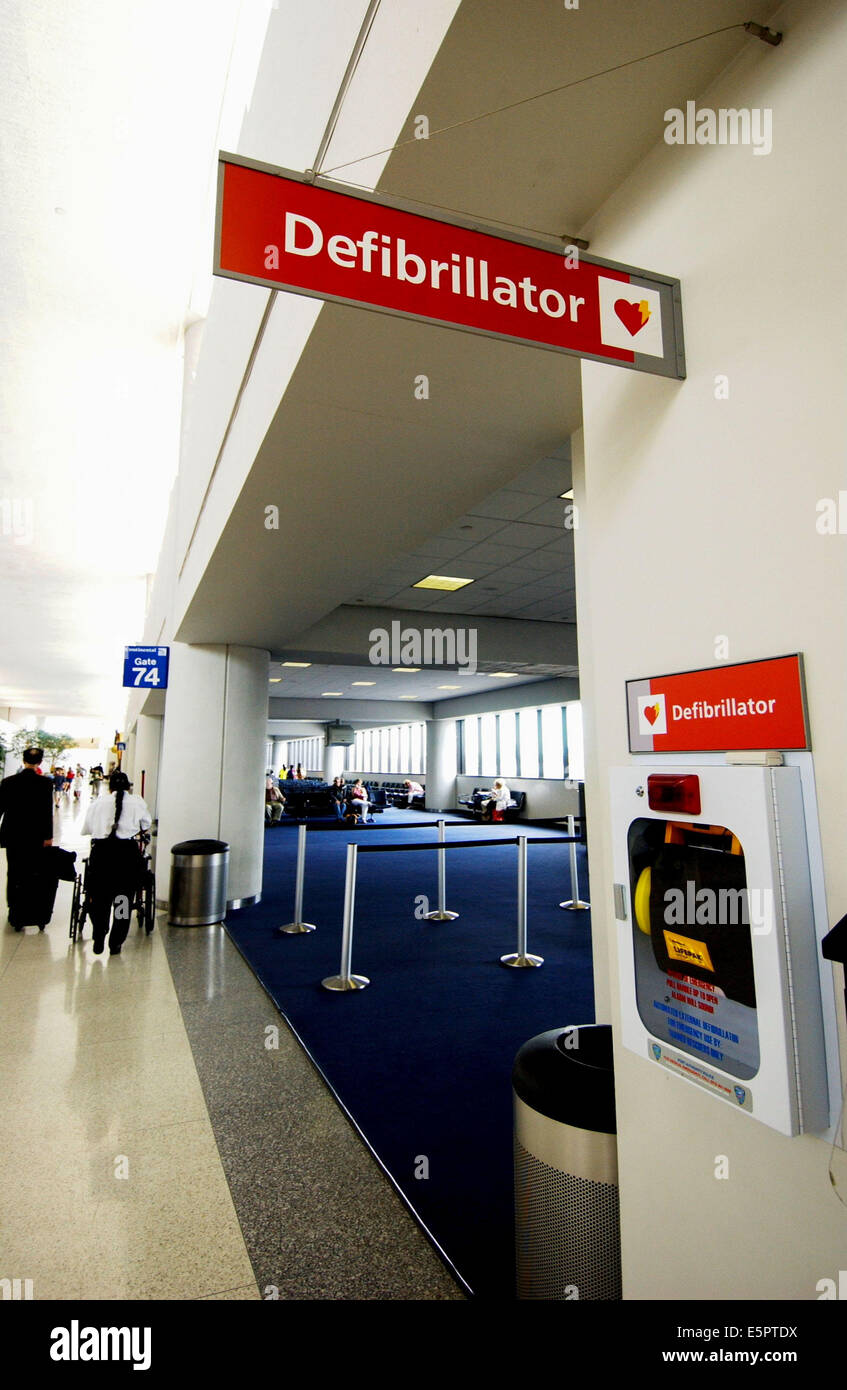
(34, 878)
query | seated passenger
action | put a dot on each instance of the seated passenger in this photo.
(499, 800)
(413, 789)
(338, 792)
(274, 802)
(358, 800)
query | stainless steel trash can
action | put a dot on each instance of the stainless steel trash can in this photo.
(567, 1225)
(197, 895)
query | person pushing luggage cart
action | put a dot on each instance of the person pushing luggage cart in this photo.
(116, 866)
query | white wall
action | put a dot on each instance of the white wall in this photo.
(699, 520)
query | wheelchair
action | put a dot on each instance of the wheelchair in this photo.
(143, 902)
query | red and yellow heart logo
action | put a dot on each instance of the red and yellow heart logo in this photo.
(651, 712)
(632, 316)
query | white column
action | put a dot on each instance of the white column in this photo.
(333, 762)
(142, 756)
(280, 745)
(212, 775)
(441, 764)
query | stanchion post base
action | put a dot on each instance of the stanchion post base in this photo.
(440, 916)
(345, 982)
(517, 961)
(295, 928)
(578, 906)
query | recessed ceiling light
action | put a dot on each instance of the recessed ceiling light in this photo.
(567, 496)
(441, 581)
(330, 692)
(449, 687)
(403, 670)
(364, 682)
(503, 675)
(275, 680)
(408, 697)
(295, 663)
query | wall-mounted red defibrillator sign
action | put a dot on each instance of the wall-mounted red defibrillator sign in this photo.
(318, 238)
(755, 704)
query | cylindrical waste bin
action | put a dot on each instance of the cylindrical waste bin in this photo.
(197, 895)
(566, 1167)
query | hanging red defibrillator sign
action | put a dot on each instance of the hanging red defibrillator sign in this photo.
(755, 704)
(276, 228)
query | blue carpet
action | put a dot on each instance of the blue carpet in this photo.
(421, 1059)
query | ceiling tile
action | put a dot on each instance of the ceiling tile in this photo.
(492, 553)
(551, 513)
(548, 477)
(506, 505)
(442, 548)
(546, 559)
(528, 537)
(472, 529)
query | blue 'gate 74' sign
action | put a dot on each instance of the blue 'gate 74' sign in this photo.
(146, 666)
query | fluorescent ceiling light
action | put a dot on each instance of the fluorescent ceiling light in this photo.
(403, 670)
(331, 692)
(364, 682)
(567, 496)
(408, 697)
(275, 680)
(449, 687)
(295, 663)
(502, 675)
(441, 581)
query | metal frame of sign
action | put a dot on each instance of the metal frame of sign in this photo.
(672, 364)
(632, 692)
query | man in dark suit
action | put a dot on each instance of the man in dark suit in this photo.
(26, 809)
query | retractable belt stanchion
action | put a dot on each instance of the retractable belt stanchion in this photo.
(442, 914)
(298, 926)
(520, 958)
(575, 904)
(345, 980)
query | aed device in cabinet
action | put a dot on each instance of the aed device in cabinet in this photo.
(717, 944)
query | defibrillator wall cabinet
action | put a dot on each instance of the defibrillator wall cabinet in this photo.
(716, 934)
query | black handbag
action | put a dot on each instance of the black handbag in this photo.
(59, 863)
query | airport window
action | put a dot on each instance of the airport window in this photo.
(508, 744)
(471, 738)
(528, 725)
(576, 754)
(488, 745)
(399, 748)
(552, 747)
(542, 742)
